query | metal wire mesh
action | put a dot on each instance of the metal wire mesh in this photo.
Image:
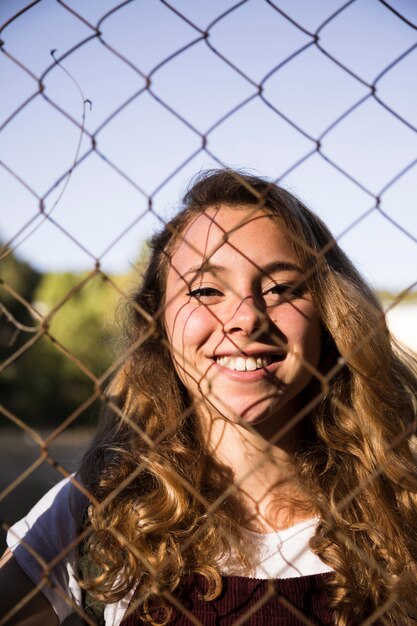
(92, 144)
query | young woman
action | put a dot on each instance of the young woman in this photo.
(254, 463)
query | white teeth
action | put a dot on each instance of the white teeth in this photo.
(242, 364)
(251, 364)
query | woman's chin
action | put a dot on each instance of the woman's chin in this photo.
(250, 414)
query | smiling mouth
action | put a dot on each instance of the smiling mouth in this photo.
(248, 364)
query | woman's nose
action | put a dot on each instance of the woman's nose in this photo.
(246, 317)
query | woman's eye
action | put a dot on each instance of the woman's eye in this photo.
(204, 292)
(287, 290)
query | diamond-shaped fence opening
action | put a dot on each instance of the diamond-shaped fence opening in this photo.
(255, 459)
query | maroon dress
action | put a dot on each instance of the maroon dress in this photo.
(278, 602)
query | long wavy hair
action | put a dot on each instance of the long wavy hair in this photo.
(163, 514)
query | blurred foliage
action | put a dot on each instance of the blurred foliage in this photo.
(20, 277)
(42, 387)
(83, 311)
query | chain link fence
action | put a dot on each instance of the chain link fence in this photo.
(147, 99)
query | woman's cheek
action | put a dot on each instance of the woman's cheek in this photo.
(193, 326)
(300, 326)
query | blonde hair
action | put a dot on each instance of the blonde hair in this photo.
(150, 468)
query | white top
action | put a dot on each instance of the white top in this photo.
(54, 522)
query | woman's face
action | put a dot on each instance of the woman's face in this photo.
(243, 331)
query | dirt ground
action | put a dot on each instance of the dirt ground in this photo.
(17, 453)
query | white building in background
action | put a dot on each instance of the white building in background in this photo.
(402, 321)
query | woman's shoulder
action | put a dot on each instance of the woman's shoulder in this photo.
(59, 512)
(44, 542)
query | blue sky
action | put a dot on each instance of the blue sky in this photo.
(151, 147)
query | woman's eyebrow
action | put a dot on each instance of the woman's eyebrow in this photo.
(280, 266)
(204, 268)
(211, 268)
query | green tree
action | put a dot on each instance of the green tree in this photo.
(74, 316)
(18, 282)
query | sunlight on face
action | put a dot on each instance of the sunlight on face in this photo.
(244, 333)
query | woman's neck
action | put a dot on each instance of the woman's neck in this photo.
(263, 475)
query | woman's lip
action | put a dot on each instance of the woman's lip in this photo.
(248, 353)
(247, 376)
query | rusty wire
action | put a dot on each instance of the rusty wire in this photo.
(257, 92)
